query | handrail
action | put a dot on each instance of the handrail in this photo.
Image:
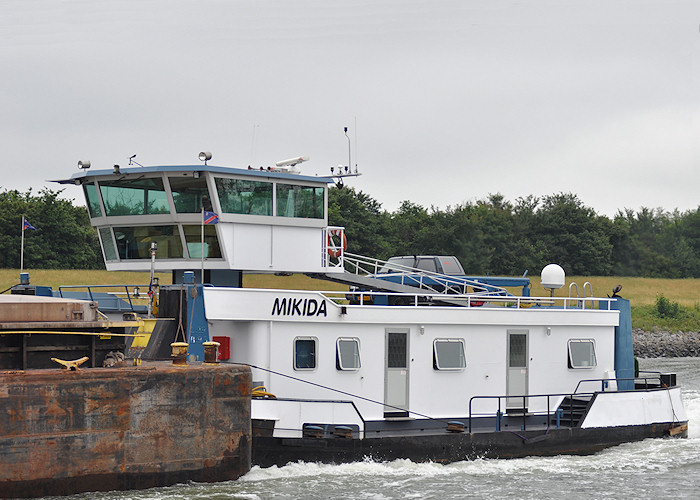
(474, 299)
(617, 379)
(549, 412)
(570, 395)
(90, 294)
(367, 266)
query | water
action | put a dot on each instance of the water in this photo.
(655, 468)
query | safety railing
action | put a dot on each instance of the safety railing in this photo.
(641, 381)
(476, 299)
(567, 412)
(550, 413)
(137, 297)
(411, 276)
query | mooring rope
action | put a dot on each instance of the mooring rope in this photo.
(347, 393)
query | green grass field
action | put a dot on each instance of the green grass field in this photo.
(642, 292)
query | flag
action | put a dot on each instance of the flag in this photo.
(27, 225)
(210, 218)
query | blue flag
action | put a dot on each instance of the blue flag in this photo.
(210, 218)
(27, 225)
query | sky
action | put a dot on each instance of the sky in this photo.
(445, 102)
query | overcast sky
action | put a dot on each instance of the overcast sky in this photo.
(446, 101)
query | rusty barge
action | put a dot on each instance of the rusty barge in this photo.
(66, 428)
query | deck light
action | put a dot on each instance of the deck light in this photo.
(83, 164)
(205, 156)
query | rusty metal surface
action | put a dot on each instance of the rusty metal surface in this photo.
(64, 432)
(23, 308)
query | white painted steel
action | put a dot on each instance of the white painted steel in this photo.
(636, 408)
(264, 339)
(290, 416)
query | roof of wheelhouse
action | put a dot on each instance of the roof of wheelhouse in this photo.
(87, 174)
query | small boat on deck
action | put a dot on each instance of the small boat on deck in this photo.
(392, 367)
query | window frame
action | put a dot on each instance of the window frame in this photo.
(570, 361)
(436, 358)
(314, 354)
(338, 358)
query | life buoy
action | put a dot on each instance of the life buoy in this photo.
(334, 250)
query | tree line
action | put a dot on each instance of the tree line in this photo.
(489, 236)
(63, 238)
(499, 237)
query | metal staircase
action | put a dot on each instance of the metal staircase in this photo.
(369, 274)
(572, 410)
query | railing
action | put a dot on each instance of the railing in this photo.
(605, 382)
(468, 300)
(550, 413)
(411, 276)
(112, 290)
(333, 255)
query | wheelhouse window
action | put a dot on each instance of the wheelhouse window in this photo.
(134, 197)
(238, 196)
(107, 243)
(304, 353)
(448, 354)
(93, 200)
(299, 201)
(582, 353)
(193, 237)
(347, 355)
(190, 194)
(135, 242)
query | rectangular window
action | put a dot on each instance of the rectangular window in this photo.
(448, 354)
(134, 197)
(299, 201)
(135, 242)
(107, 243)
(517, 357)
(305, 353)
(93, 201)
(190, 195)
(582, 353)
(239, 196)
(193, 237)
(347, 354)
(397, 349)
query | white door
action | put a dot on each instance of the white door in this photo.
(516, 379)
(396, 374)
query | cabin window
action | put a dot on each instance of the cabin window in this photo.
(190, 195)
(299, 201)
(93, 200)
(107, 243)
(135, 242)
(193, 237)
(347, 354)
(304, 353)
(134, 197)
(582, 353)
(448, 354)
(238, 196)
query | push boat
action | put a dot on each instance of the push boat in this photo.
(403, 363)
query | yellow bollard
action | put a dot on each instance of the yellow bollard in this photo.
(211, 352)
(179, 354)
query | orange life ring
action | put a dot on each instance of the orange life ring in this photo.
(333, 250)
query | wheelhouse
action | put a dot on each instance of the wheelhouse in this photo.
(269, 220)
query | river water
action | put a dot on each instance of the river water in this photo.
(655, 468)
